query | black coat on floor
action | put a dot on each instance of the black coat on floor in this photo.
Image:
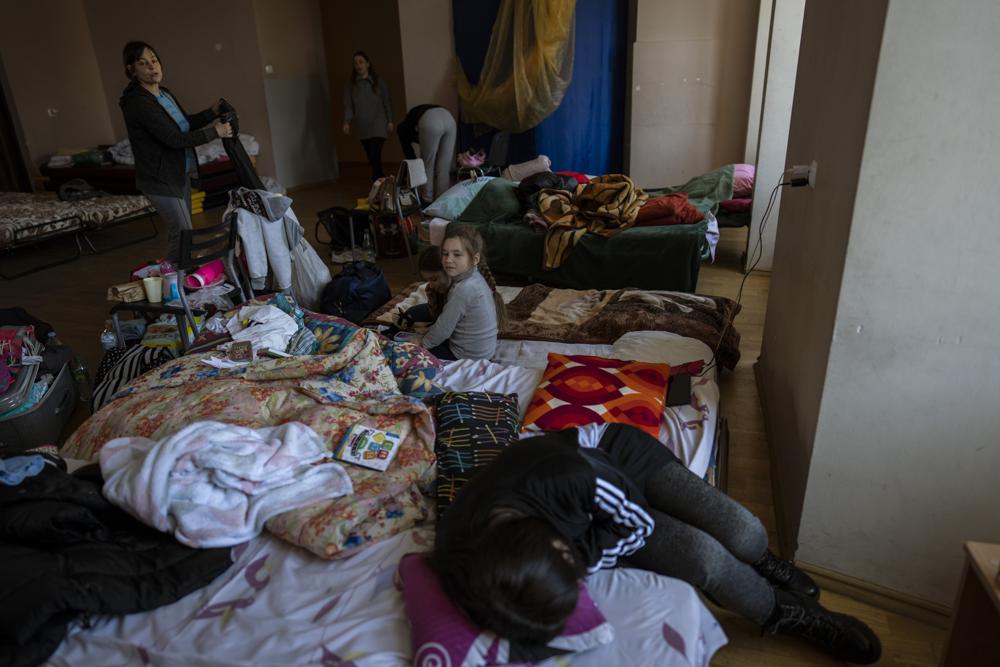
(66, 553)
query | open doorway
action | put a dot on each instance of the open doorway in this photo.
(13, 172)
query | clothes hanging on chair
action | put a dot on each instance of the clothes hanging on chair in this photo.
(268, 230)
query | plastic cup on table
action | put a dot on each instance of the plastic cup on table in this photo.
(153, 287)
(170, 292)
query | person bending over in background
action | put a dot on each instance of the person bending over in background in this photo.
(473, 312)
(523, 531)
(162, 136)
(432, 128)
(367, 106)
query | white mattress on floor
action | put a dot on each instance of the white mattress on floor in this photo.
(689, 431)
(282, 606)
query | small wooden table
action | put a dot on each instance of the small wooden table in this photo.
(974, 638)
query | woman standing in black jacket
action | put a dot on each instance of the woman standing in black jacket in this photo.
(163, 135)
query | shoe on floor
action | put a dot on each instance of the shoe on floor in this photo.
(844, 637)
(785, 575)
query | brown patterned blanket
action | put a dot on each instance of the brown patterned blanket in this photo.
(539, 312)
(25, 216)
(606, 205)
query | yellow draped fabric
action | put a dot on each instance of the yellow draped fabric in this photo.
(529, 64)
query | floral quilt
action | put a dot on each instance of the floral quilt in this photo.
(358, 380)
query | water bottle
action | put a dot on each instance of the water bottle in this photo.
(109, 340)
(53, 340)
(82, 378)
(367, 247)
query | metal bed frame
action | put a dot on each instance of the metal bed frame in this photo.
(24, 239)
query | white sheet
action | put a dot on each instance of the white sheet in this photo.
(689, 431)
(279, 605)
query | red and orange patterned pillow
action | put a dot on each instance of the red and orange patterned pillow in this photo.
(577, 390)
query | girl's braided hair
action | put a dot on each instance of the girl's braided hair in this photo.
(474, 245)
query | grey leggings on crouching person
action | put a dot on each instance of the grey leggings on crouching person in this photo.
(704, 537)
(175, 212)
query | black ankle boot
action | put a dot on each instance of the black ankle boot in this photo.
(843, 636)
(785, 575)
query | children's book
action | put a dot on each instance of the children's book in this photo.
(369, 447)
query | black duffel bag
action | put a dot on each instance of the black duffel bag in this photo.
(356, 291)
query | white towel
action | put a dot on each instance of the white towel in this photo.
(214, 485)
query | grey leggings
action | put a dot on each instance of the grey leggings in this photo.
(437, 132)
(175, 212)
(707, 539)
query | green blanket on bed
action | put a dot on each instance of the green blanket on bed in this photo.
(651, 258)
(705, 191)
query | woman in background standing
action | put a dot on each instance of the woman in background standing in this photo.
(162, 136)
(367, 105)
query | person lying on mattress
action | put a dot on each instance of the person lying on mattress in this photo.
(467, 325)
(521, 534)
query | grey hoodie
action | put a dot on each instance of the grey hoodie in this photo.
(469, 319)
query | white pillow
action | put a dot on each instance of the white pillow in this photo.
(455, 199)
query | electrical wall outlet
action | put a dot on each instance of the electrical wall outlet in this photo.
(802, 174)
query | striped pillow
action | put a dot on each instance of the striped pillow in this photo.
(127, 365)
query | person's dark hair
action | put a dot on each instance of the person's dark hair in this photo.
(474, 245)
(430, 260)
(437, 288)
(514, 580)
(132, 52)
(372, 75)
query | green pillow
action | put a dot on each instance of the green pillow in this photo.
(497, 202)
(456, 198)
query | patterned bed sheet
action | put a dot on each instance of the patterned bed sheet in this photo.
(279, 605)
(26, 216)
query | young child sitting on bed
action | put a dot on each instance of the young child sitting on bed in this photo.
(467, 325)
(521, 534)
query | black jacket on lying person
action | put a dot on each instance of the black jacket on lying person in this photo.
(66, 552)
(589, 491)
(158, 144)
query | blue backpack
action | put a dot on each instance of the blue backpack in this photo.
(356, 291)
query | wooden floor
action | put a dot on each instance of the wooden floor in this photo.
(71, 298)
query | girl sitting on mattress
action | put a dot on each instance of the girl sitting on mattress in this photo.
(467, 325)
(525, 530)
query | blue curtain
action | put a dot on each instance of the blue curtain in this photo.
(586, 132)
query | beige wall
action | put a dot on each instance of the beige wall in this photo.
(428, 45)
(293, 59)
(880, 361)
(906, 461)
(49, 61)
(209, 50)
(692, 67)
(839, 52)
(373, 27)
